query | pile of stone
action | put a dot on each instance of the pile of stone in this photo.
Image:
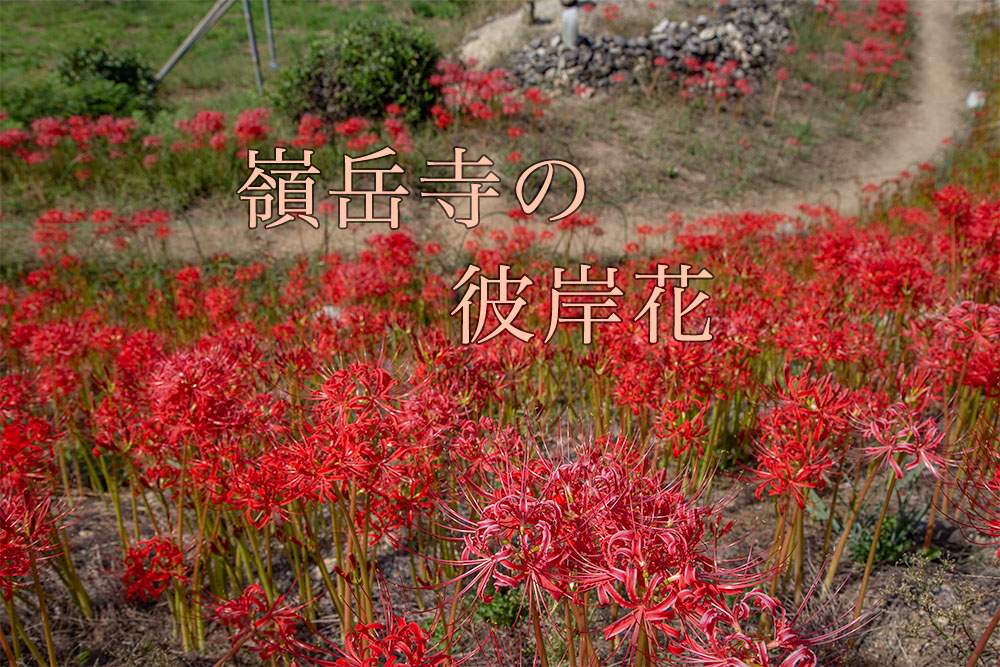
(749, 33)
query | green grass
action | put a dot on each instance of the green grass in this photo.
(217, 72)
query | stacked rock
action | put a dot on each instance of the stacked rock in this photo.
(748, 33)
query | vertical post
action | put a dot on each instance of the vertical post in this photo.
(570, 23)
(270, 33)
(253, 45)
(528, 12)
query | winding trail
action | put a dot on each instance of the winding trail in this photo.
(935, 110)
(933, 113)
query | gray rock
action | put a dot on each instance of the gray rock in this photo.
(748, 32)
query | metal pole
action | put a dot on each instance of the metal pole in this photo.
(214, 14)
(253, 45)
(570, 24)
(270, 33)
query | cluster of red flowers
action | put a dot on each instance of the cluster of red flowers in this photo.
(480, 95)
(605, 524)
(249, 424)
(55, 229)
(85, 137)
(209, 387)
(878, 38)
(208, 128)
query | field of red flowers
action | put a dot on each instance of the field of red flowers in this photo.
(299, 462)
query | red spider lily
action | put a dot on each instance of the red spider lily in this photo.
(150, 566)
(899, 433)
(965, 345)
(268, 628)
(604, 523)
(730, 634)
(390, 643)
(203, 125)
(27, 528)
(803, 436)
(362, 142)
(516, 538)
(980, 490)
(26, 456)
(250, 127)
(310, 134)
(352, 127)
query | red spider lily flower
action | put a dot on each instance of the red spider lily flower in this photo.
(250, 127)
(362, 142)
(218, 142)
(679, 431)
(899, 433)
(150, 567)
(351, 127)
(730, 633)
(267, 628)
(27, 529)
(803, 437)
(965, 345)
(309, 132)
(203, 125)
(980, 489)
(392, 643)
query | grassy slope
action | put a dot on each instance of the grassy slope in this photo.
(217, 72)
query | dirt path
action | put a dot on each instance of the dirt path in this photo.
(917, 127)
(933, 113)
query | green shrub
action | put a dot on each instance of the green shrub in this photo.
(91, 81)
(97, 62)
(367, 66)
(52, 97)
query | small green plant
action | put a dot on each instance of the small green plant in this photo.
(893, 542)
(364, 68)
(898, 530)
(503, 610)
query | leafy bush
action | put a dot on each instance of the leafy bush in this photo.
(25, 102)
(367, 66)
(91, 81)
(96, 62)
